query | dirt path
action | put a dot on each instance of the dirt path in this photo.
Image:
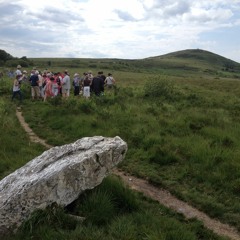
(33, 137)
(160, 195)
(167, 199)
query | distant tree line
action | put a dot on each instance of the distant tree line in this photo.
(7, 60)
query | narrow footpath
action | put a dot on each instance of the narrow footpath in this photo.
(162, 196)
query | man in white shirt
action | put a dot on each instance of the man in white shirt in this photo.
(66, 85)
(18, 72)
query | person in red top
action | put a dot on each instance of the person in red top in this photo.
(59, 82)
(48, 88)
(55, 87)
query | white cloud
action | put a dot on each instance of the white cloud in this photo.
(116, 29)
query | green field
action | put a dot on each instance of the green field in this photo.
(179, 114)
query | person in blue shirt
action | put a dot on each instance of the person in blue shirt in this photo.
(35, 91)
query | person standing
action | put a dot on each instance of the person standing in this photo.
(66, 85)
(86, 86)
(109, 81)
(35, 92)
(40, 84)
(55, 86)
(59, 82)
(98, 85)
(90, 75)
(18, 72)
(16, 89)
(24, 77)
(48, 88)
(76, 84)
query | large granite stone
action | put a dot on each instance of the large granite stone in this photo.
(59, 175)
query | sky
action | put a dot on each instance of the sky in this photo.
(125, 29)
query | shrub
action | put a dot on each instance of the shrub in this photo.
(159, 87)
(15, 62)
(5, 86)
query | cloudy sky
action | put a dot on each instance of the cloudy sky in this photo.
(129, 29)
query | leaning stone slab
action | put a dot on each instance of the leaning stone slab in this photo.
(59, 175)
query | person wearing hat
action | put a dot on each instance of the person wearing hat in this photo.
(18, 72)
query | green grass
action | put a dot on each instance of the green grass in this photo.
(112, 211)
(184, 137)
(16, 148)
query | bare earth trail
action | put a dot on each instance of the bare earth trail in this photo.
(162, 196)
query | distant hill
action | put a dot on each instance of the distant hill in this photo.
(192, 59)
(189, 61)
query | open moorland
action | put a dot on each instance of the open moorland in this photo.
(180, 116)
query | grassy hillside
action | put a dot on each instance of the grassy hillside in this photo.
(182, 126)
(197, 58)
(186, 62)
(191, 61)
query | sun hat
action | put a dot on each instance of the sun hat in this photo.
(19, 66)
(76, 74)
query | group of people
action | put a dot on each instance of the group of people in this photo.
(46, 84)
